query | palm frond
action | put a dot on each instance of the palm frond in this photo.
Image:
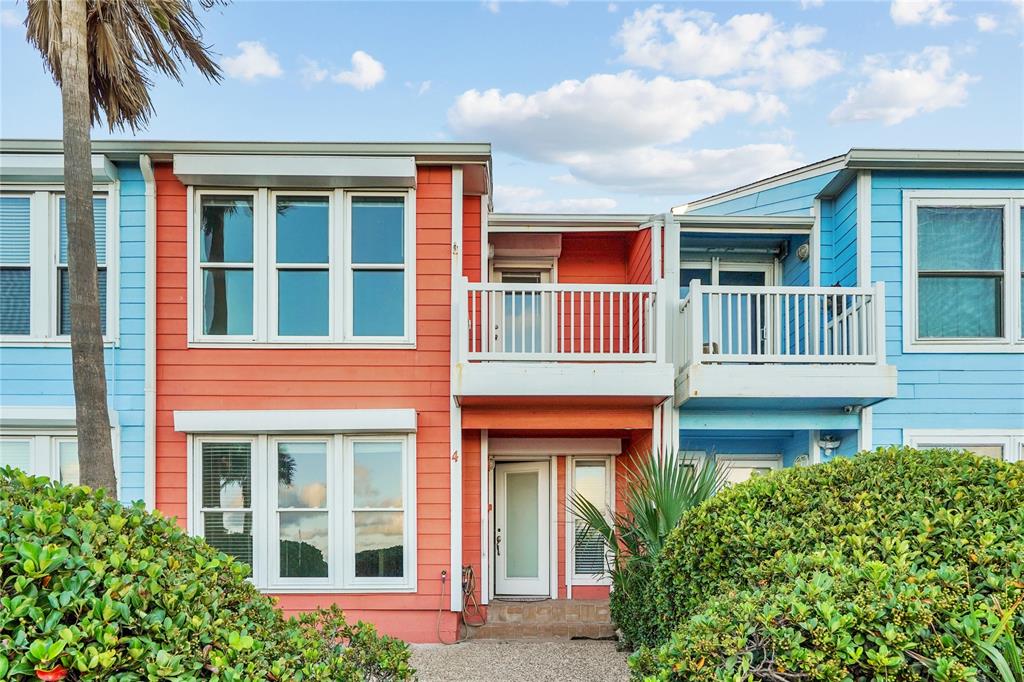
(130, 43)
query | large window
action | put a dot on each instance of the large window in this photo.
(53, 455)
(963, 281)
(302, 268)
(330, 512)
(35, 300)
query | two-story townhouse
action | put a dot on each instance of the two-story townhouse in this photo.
(37, 412)
(869, 299)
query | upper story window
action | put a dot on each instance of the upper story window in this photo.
(292, 267)
(963, 282)
(327, 512)
(35, 292)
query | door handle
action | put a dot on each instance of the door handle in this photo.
(497, 543)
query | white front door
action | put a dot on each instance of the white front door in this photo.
(521, 528)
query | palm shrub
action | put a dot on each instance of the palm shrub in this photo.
(658, 491)
(889, 565)
(93, 590)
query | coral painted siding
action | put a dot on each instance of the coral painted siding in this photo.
(279, 378)
(638, 266)
(594, 258)
(471, 227)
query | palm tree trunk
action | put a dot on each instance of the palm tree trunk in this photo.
(95, 451)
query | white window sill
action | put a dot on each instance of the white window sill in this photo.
(964, 346)
(324, 589)
(34, 342)
(353, 345)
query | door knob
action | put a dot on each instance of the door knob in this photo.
(497, 543)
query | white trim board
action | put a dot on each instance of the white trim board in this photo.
(1011, 440)
(31, 417)
(295, 421)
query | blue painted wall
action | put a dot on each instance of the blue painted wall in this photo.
(842, 251)
(42, 376)
(936, 390)
(795, 198)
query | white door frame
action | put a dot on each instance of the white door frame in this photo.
(547, 468)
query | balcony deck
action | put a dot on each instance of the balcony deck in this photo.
(783, 345)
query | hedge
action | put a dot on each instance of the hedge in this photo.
(883, 565)
(93, 590)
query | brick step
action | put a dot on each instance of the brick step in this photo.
(548, 619)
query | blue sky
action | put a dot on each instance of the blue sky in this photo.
(591, 106)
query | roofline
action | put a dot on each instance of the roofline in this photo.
(865, 158)
(746, 224)
(528, 222)
(164, 150)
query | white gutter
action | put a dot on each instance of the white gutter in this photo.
(149, 385)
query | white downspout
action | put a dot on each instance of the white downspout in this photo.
(149, 385)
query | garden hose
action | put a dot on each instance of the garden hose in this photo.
(470, 606)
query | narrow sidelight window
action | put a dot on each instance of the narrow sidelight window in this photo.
(226, 264)
(15, 269)
(99, 212)
(378, 266)
(227, 502)
(590, 481)
(960, 271)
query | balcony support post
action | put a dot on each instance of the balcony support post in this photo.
(696, 329)
(878, 303)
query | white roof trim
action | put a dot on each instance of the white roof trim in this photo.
(49, 168)
(746, 224)
(265, 170)
(295, 421)
(33, 417)
(568, 222)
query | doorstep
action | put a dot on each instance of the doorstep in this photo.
(546, 619)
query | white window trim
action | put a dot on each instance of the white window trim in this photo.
(265, 270)
(1011, 201)
(341, 576)
(572, 577)
(1011, 440)
(45, 457)
(44, 244)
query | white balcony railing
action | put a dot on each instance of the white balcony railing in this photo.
(767, 325)
(561, 322)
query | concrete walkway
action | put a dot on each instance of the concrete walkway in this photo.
(514, 660)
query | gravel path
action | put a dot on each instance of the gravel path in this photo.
(510, 661)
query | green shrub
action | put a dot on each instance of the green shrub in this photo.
(98, 591)
(878, 567)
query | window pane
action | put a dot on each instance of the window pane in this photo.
(377, 475)
(14, 230)
(588, 552)
(64, 323)
(302, 224)
(230, 532)
(590, 481)
(17, 454)
(226, 234)
(303, 300)
(959, 238)
(99, 219)
(227, 475)
(227, 301)
(304, 544)
(67, 456)
(302, 475)
(379, 544)
(378, 230)
(378, 303)
(959, 307)
(15, 300)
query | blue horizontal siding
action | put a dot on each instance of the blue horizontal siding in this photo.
(794, 198)
(41, 376)
(936, 390)
(842, 240)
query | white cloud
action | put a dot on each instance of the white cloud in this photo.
(520, 199)
(492, 6)
(607, 111)
(932, 12)
(620, 120)
(671, 171)
(751, 48)
(312, 72)
(1020, 8)
(424, 88)
(807, 4)
(923, 83)
(10, 19)
(613, 7)
(366, 72)
(564, 179)
(252, 63)
(986, 23)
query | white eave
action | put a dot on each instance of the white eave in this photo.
(263, 170)
(49, 168)
(295, 421)
(567, 222)
(746, 224)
